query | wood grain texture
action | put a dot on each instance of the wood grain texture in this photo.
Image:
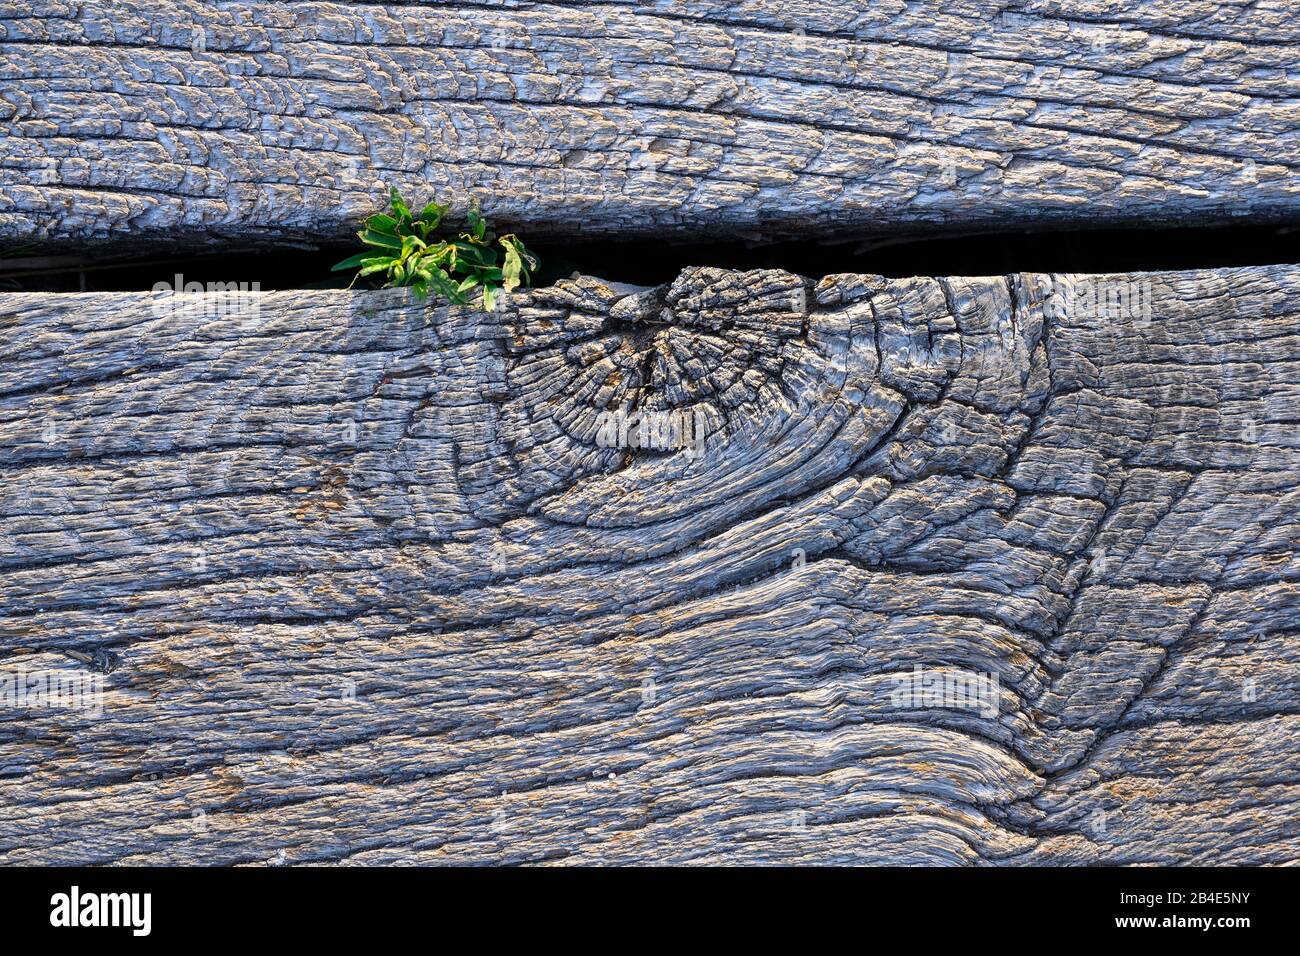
(209, 121)
(363, 587)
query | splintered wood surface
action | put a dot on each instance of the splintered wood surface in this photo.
(157, 118)
(997, 570)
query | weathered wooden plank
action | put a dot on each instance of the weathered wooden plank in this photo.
(145, 118)
(362, 585)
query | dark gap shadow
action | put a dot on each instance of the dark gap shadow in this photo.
(653, 262)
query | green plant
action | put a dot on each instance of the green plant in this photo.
(407, 253)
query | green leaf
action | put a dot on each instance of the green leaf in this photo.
(445, 286)
(372, 238)
(477, 226)
(351, 262)
(377, 265)
(382, 223)
(527, 261)
(469, 252)
(410, 255)
(399, 206)
(513, 266)
(432, 215)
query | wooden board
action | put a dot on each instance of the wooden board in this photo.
(175, 120)
(360, 584)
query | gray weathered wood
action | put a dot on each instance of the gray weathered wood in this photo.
(166, 118)
(362, 586)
